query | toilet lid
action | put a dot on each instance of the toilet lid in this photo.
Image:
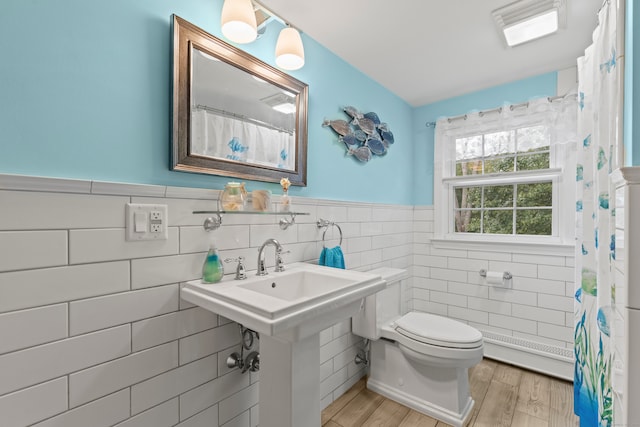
(438, 330)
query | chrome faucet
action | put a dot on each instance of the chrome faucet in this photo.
(262, 270)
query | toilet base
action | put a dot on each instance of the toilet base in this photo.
(442, 393)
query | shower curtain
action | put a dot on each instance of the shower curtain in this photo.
(598, 115)
(228, 138)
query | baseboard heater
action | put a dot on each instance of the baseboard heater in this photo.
(543, 358)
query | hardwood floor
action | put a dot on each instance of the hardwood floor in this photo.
(505, 396)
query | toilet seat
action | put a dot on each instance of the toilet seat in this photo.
(438, 330)
(463, 348)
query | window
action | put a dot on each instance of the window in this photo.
(505, 209)
(506, 178)
(525, 208)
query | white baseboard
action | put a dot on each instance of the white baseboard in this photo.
(549, 360)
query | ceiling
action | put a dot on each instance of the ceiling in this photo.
(425, 51)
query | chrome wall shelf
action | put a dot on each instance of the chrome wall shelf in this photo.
(214, 222)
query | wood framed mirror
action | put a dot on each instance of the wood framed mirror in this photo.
(234, 115)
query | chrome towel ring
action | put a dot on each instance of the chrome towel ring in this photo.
(323, 223)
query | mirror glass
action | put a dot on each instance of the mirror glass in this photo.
(233, 114)
(240, 117)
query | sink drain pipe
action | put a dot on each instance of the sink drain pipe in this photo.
(362, 357)
(238, 360)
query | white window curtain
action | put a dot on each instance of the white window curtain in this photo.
(558, 113)
(600, 150)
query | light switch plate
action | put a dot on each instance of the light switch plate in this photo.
(146, 222)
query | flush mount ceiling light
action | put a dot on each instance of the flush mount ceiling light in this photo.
(281, 102)
(289, 49)
(239, 21)
(286, 108)
(527, 20)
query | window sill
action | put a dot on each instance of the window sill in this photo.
(504, 177)
(532, 248)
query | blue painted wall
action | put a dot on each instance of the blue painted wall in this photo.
(632, 86)
(511, 93)
(85, 92)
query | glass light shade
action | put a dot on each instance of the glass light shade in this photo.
(239, 21)
(532, 28)
(289, 49)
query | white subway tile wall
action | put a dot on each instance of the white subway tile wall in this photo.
(537, 305)
(35, 403)
(92, 328)
(104, 412)
(626, 298)
(620, 305)
(120, 373)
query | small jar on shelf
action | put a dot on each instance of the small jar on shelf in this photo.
(233, 197)
(261, 200)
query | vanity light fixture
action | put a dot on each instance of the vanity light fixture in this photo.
(289, 49)
(526, 20)
(239, 21)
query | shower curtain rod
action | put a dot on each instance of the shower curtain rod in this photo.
(497, 110)
(243, 118)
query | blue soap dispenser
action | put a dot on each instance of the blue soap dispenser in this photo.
(212, 270)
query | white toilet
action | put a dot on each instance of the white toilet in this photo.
(419, 360)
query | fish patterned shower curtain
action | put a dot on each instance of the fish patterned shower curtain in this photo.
(598, 156)
(234, 139)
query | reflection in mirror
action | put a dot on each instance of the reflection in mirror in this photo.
(234, 115)
(240, 117)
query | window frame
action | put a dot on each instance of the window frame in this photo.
(561, 240)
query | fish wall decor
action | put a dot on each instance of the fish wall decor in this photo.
(364, 135)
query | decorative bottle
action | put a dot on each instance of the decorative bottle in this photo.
(285, 200)
(213, 269)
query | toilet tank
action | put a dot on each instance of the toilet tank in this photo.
(379, 308)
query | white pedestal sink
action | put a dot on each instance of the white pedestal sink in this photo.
(289, 309)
